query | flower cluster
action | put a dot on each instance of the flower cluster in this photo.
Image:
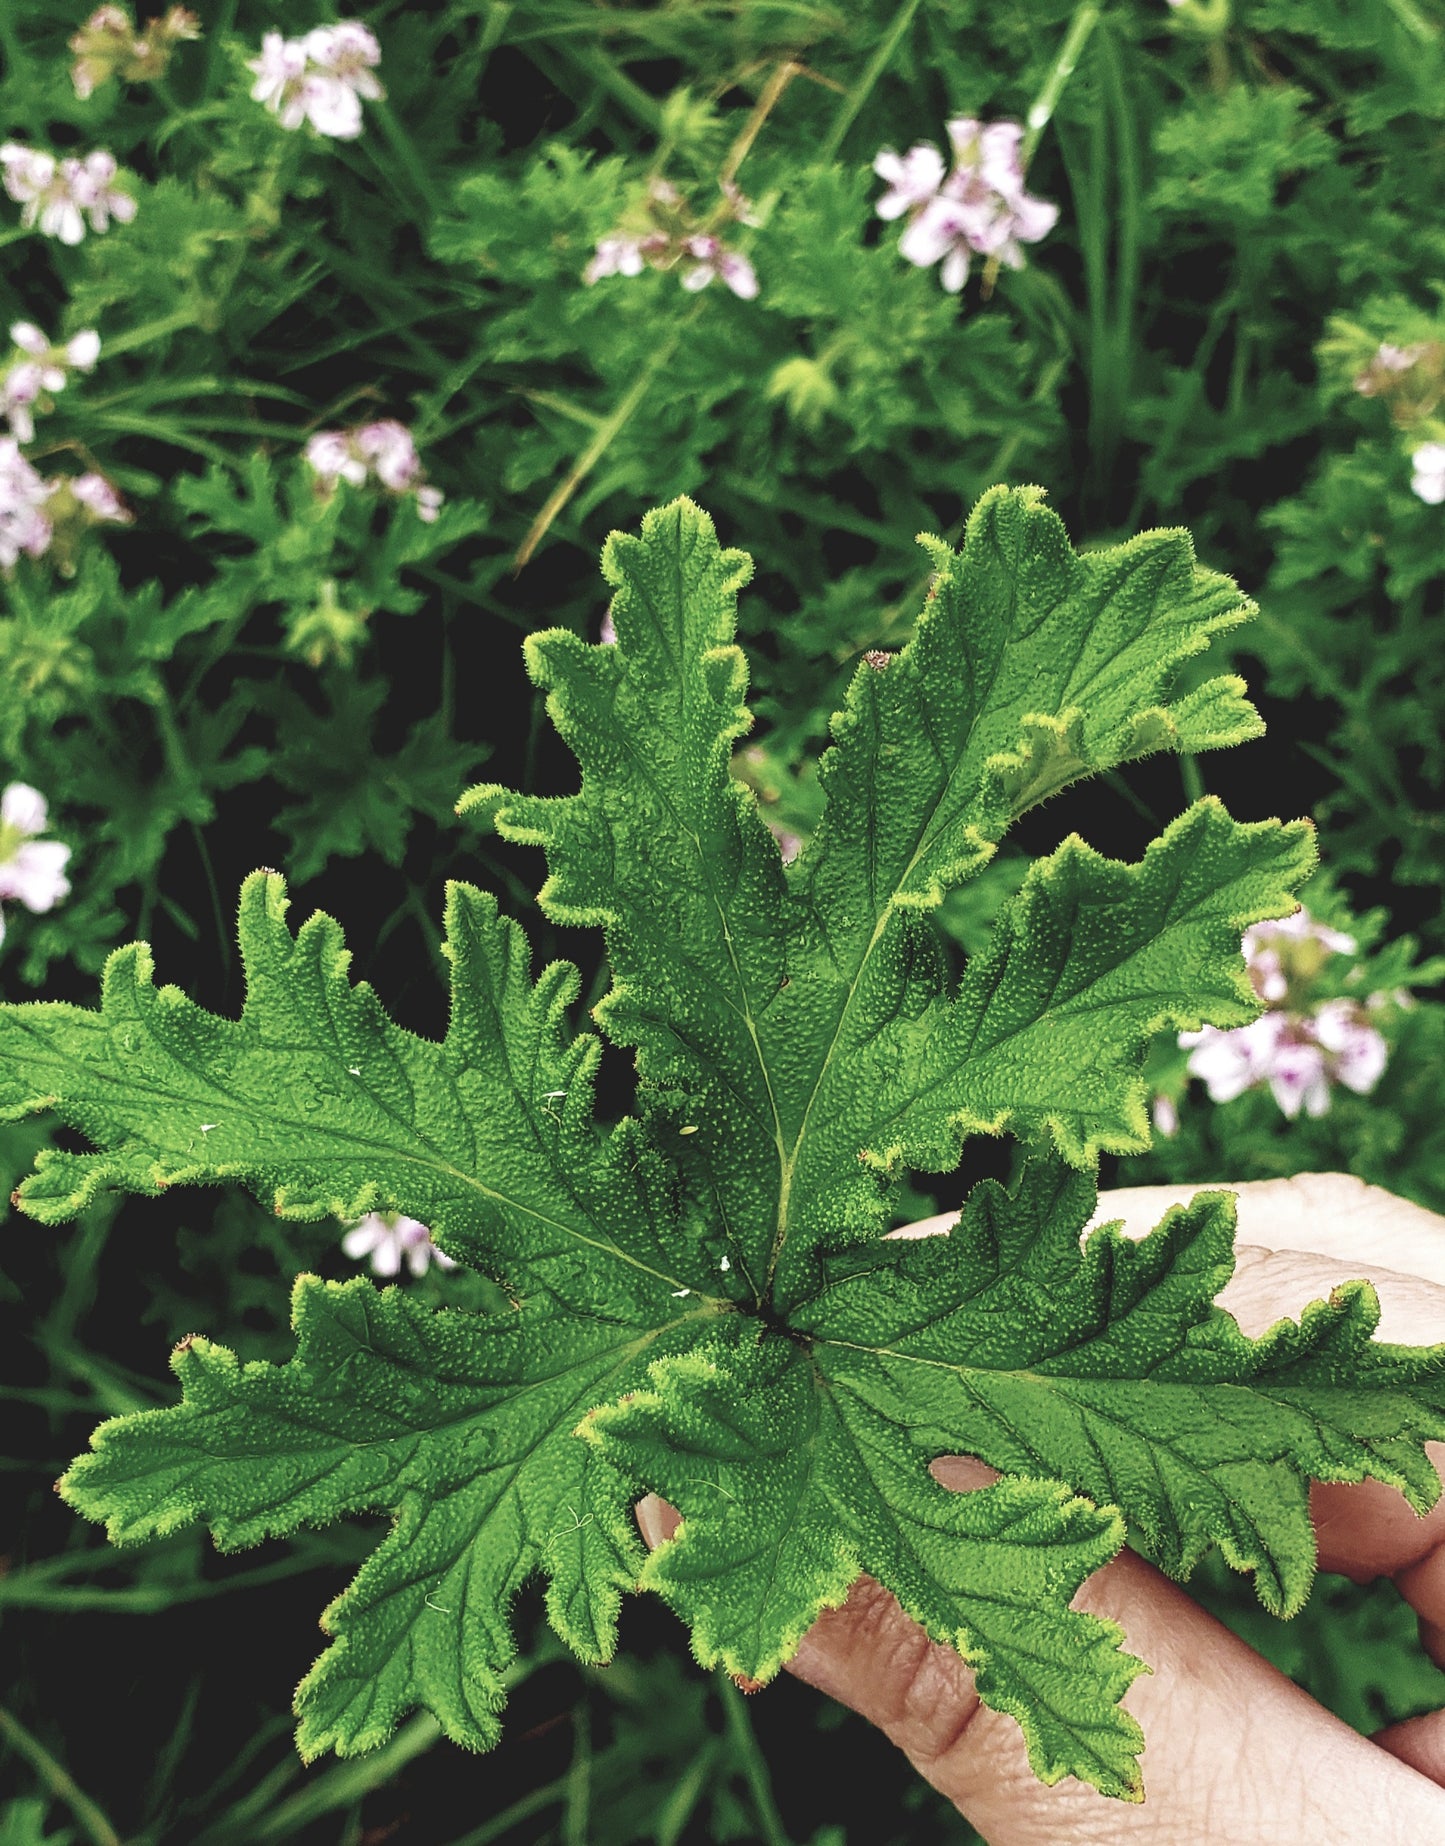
(33, 510)
(59, 195)
(109, 45)
(23, 525)
(383, 450)
(32, 871)
(667, 237)
(40, 368)
(320, 78)
(1298, 1051)
(389, 1240)
(979, 208)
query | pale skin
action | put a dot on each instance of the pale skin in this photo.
(1235, 1751)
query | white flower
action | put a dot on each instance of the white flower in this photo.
(32, 871)
(58, 196)
(23, 526)
(912, 178)
(1428, 462)
(389, 1239)
(45, 368)
(1165, 1116)
(320, 78)
(279, 71)
(332, 107)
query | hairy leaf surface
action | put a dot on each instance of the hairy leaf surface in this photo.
(701, 1302)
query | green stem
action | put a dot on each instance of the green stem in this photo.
(348, 1781)
(864, 87)
(58, 1781)
(149, 332)
(607, 431)
(754, 1767)
(545, 1797)
(1086, 17)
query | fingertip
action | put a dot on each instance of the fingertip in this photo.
(657, 1521)
(1420, 1743)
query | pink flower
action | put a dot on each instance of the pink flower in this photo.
(1229, 1063)
(1428, 462)
(332, 457)
(1298, 1076)
(1298, 1055)
(23, 526)
(32, 871)
(912, 178)
(713, 258)
(384, 451)
(99, 498)
(388, 1239)
(981, 208)
(388, 447)
(1277, 952)
(1358, 1053)
(350, 52)
(96, 195)
(618, 255)
(19, 389)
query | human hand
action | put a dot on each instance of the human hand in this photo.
(1235, 1751)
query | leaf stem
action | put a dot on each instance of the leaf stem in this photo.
(762, 109)
(58, 1781)
(1041, 109)
(754, 1765)
(863, 89)
(607, 431)
(348, 1781)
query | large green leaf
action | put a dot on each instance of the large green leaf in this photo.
(701, 1301)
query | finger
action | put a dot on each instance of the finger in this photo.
(1226, 1733)
(1420, 1742)
(1234, 1749)
(1327, 1213)
(656, 1520)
